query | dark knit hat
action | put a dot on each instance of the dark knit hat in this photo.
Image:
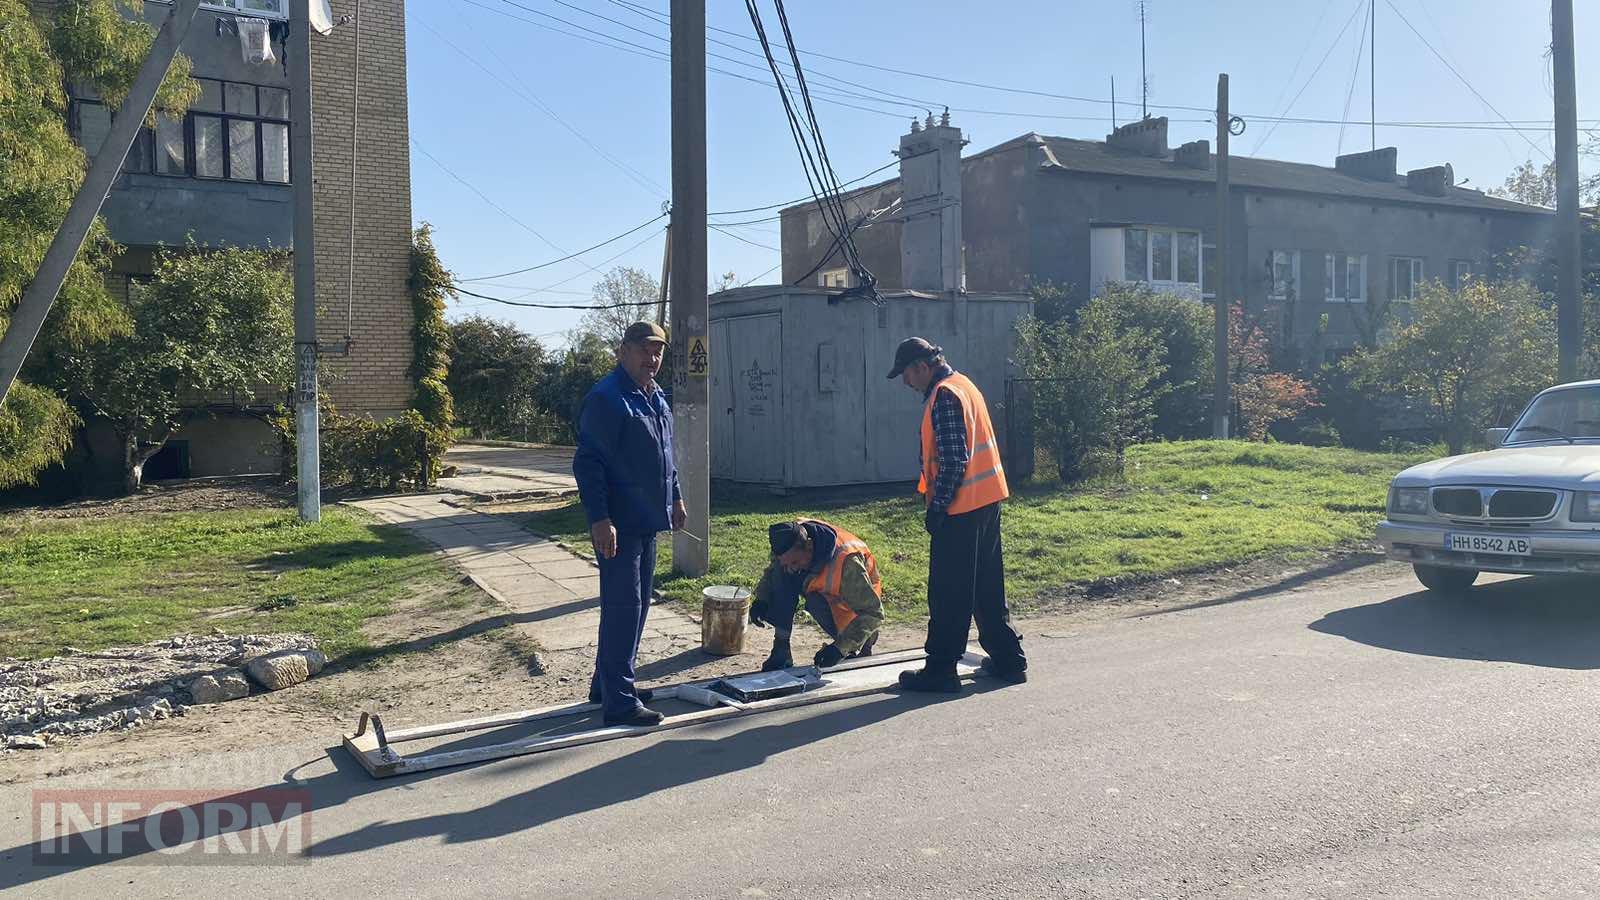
(783, 536)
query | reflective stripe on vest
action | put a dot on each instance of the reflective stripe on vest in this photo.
(830, 581)
(984, 482)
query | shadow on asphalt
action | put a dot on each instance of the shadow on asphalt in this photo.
(1552, 622)
(678, 758)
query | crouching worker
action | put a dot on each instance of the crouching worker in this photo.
(836, 575)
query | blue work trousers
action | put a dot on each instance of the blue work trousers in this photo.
(626, 582)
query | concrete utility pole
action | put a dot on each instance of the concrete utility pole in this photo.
(1223, 404)
(691, 350)
(1569, 241)
(666, 277)
(308, 438)
(40, 295)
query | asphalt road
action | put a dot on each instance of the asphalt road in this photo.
(1348, 737)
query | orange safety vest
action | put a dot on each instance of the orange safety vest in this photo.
(829, 582)
(985, 480)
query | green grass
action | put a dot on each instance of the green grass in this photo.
(1184, 507)
(91, 583)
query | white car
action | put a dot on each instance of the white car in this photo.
(1530, 506)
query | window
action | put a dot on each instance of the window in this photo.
(1136, 255)
(1285, 274)
(1405, 278)
(1344, 278)
(268, 9)
(234, 131)
(1208, 270)
(1460, 273)
(834, 278)
(1161, 255)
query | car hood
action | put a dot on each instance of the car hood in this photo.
(1570, 466)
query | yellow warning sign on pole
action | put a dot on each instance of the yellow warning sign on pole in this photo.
(699, 360)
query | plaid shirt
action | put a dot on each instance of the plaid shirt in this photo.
(950, 440)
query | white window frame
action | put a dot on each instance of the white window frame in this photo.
(834, 278)
(1345, 259)
(1149, 278)
(1273, 293)
(1417, 275)
(1460, 273)
(234, 6)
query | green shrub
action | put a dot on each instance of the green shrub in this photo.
(394, 454)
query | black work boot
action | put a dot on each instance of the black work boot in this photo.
(1009, 676)
(779, 659)
(640, 717)
(931, 681)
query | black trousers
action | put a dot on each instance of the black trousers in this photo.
(967, 580)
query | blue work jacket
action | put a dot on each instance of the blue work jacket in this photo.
(624, 461)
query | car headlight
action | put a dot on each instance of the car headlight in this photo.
(1586, 506)
(1408, 501)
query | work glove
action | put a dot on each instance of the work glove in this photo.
(828, 656)
(758, 612)
(933, 518)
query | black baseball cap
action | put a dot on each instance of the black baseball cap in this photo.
(644, 333)
(912, 350)
(783, 535)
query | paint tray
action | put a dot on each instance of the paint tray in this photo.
(759, 686)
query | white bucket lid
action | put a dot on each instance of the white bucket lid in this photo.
(726, 593)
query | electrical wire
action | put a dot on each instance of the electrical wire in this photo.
(1463, 79)
(1310, 78)
(725, 232)
(545, 265)
(1355, 72)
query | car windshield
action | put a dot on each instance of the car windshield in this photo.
(1572, 414)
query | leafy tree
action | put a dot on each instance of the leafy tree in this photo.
(1262, 396)
(494, 372)
(212, 323)
(622, 285)
(1183, 331)
(1468, 358)
(88, 42)
(1100, 381)
(431, 286)
(566, 380)
(1536, 185)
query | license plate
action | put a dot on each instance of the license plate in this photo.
(1488, 543)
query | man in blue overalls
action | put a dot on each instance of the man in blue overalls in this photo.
(629, 488)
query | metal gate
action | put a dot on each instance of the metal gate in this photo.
(760, 435)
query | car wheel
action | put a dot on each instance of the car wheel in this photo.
(1440, 580)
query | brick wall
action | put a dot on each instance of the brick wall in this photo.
(373, 377)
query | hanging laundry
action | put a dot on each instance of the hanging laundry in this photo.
(253, 40)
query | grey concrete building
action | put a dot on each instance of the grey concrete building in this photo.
(1325, 248)
(798, 393)
(219, 175)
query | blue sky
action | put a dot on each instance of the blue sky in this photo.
(556, 143)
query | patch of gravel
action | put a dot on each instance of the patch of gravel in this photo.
(119, 687)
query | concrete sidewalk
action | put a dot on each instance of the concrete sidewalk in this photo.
(500, 471)
(554, 594)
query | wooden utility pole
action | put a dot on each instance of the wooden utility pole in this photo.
(40, 295)
(1223, 402)
(691, 349)
(1569, 241)
(308, 437)
(666, 278)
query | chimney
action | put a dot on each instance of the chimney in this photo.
(1193, 155)
(930, 201)
(1435, 181)
(1373, 165)
(1146, 137)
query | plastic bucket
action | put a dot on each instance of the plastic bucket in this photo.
(724, 612)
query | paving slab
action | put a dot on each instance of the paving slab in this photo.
(554, 591)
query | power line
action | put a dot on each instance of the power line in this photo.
(528, 96)
(1462, 79)
(484, 197)
(518, 301)
(545, 265)
(724, 231)
(1309, 78)
(1355, 72)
